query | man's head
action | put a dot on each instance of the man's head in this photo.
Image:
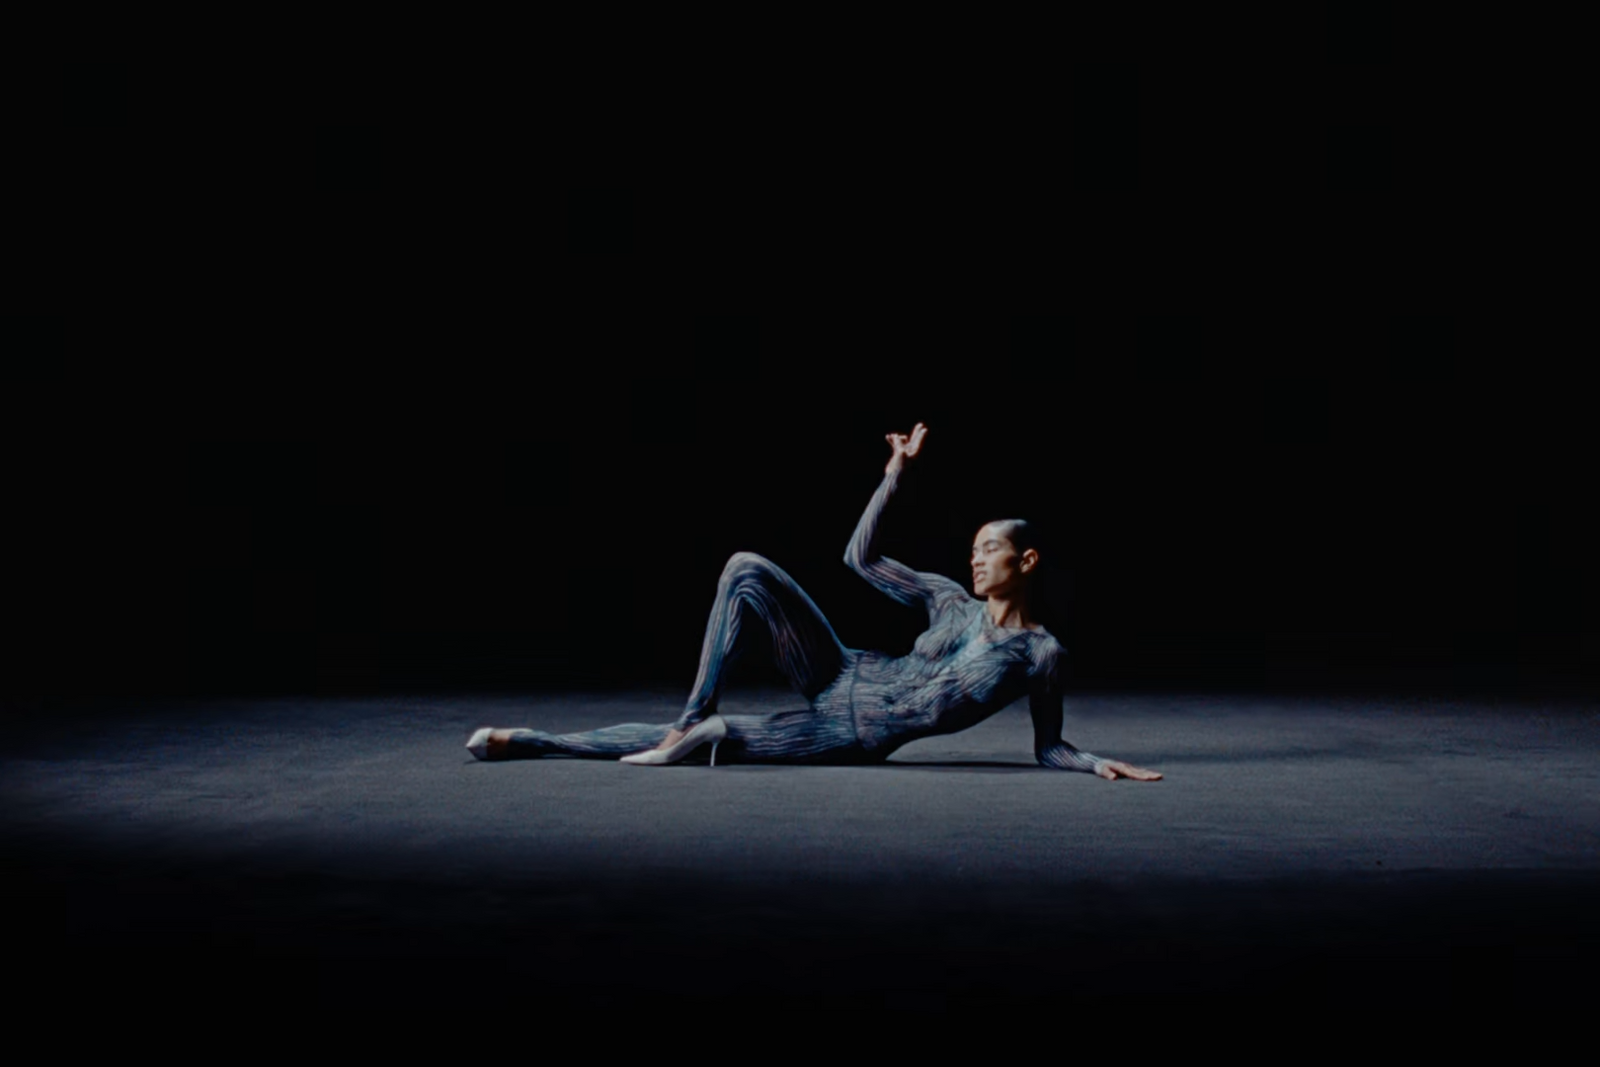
(1004, 558)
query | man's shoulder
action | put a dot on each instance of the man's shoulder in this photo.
(1047, 651)
(948, 595)
(1044, 638)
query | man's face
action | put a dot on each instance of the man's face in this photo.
(996, 567)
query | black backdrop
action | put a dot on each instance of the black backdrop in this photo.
(1214, 514)
(374, 383)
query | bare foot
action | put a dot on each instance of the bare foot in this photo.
(1114, 769)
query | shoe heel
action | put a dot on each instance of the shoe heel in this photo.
(714, 745)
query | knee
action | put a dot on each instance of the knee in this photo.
(747, 575)
(743, 566)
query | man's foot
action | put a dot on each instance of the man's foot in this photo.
(679, 743)
(488, 744)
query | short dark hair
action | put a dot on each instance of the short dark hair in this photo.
(1020, 532)
(1024, 535)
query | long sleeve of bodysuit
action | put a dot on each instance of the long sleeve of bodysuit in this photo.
(913, 588)
(1044, 703)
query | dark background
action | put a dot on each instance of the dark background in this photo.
(1407, 517)
(359, 384)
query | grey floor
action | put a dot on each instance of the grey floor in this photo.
(328, 852)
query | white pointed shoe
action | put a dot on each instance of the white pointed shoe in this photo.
(478, 744)
(711, 729)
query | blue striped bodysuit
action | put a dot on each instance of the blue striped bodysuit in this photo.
(863, 705)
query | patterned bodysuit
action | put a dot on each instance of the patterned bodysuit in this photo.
(863, 705)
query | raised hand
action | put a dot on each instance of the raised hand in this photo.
(1114, 769)
(905, 446)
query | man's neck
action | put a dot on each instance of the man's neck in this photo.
(1009, 612)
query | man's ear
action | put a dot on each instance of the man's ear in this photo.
(1028, 560)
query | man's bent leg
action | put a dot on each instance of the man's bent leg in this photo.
(803, 643)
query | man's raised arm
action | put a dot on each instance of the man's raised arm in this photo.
(861, 555)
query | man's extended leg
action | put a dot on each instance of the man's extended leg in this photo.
(608, 742)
